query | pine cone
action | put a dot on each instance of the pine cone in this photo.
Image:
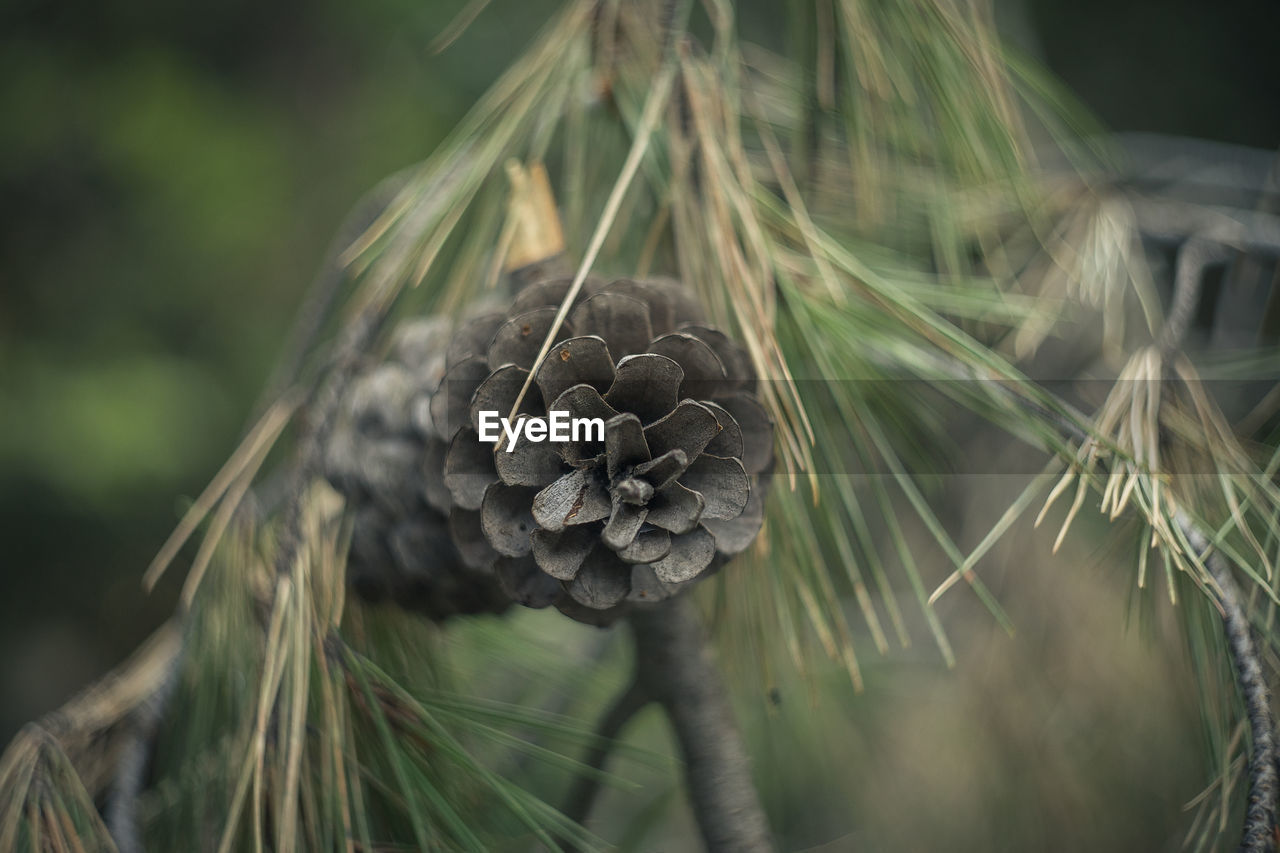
(379, 456)
(674, 488)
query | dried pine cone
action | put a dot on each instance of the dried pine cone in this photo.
(674, 488)
(379, 456)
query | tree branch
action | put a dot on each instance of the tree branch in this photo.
(1174, 222)
(582, 796)
(1259, 835)
(674, 666)
(1194, 257)
(1211, 243)
(133, 764)
(1259, 832)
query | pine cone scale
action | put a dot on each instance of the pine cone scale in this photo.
(624, 443)
(689, 555)
(519, 340)
(648, 383)
(649, 546)
(677, 509)
(621, 321)
(690, 427)
(723, 484)
(581, 360)
(576, 498)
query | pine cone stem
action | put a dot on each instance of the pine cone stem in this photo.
(674, 665)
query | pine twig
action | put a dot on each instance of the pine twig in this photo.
(134, 757)
(1195, 255)
(1259, 835)
(1172, 222)
(582, 796)
(674, 666)
(96, 731)
(1259, 832)
(133, 764)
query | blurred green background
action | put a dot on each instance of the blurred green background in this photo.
(171, 176)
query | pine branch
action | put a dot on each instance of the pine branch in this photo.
(1195, 255)
(1204, 237)
(582, 796)
(1260, 827)
(96, 732)
(1175, 222)
(146, 721)
(134, 761)
(674, 666)
(1259, 835)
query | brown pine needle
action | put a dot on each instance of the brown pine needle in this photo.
(451, 33)
(260, 437)
(654, 104)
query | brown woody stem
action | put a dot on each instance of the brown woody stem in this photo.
(674, 666)
(582, 797)
(1259, 834)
